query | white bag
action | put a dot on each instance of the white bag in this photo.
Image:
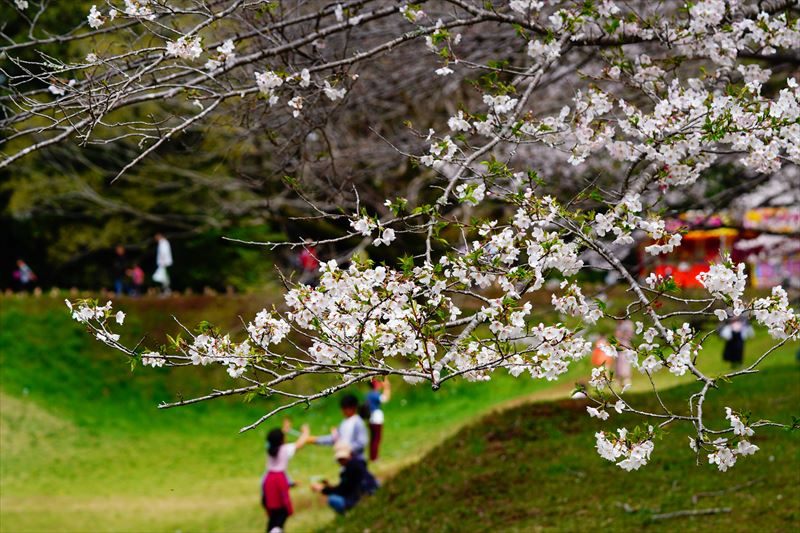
(160, 275)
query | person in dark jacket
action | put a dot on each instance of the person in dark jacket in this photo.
(346, 494)
(735, 333)
(119, 269)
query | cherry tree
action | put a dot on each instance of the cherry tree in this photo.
(570, 129)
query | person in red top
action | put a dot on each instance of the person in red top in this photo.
(309, 262)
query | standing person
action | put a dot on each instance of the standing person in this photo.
(24, 275)
(275, 483)
(137, 280)
(119, 269)
(375, 399)
(624, 334)
(346, 494)
(163, 261)
(735, 333)
(309, 263)
(352, 430)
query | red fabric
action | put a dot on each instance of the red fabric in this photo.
(276, 492)
(308, 259)
(375, 432)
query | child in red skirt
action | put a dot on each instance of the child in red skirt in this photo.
(275, 484)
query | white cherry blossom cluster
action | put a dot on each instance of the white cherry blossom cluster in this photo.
(140, 9)
(375, 307)
(267, 83)
(633, 454)
(725, 454)
(471, 193)
(525, 7)
(185, 48)
(153, 359)
(226, 55)
(774, 313)
(267, 329)
(333, 93)
(573, 303)
(411, 13)
(440, 152)
(680, 360)
(726, 281)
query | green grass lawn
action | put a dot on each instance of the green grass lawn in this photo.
(533, 468)
(85, 449)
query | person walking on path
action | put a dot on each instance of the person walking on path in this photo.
(275, 483)
(380, 393)
(119, 269)
(163, 262)
(345, 495)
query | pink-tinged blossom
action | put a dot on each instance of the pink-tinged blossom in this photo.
(185, 48)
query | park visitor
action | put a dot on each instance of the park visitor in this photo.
(163, 261)
(119, 269)
(275, 483)
(735, 332)
(346, 494)
(351, 431)
(380, 393)
(23, 276)
(137, 280)
(309, 263)
(624, 334)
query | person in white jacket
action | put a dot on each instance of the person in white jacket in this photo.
(163, 261)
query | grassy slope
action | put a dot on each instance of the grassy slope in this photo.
(533, 468)
(84, 448)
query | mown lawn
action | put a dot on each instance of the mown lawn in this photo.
(533, 468)
(85, 449)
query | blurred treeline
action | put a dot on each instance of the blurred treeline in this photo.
(64, 213)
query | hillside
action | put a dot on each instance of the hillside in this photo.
(534, 468)
(85, 449)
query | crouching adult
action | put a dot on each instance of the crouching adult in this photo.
(345, 495)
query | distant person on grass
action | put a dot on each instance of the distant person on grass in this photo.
(351, 431)
(380, 393)
(345, 495)
(23, 276)
(120, 270)
(735, 332)
(624, 334)
(275, 483)
(163, 262)
(309, 263)
(137, 280)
